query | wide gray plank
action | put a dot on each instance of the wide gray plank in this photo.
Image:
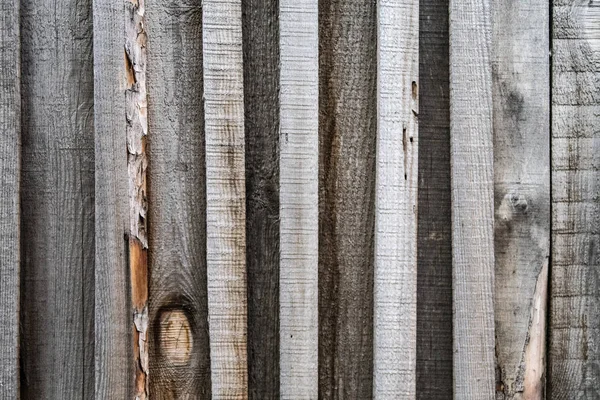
(573, 351)
(179, 348)
(10, 164)
(347, 131)
(260, 19)
(57, 200)
(113, 324)
(434, 258)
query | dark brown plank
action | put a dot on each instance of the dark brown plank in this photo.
(10, 165)
(347, 131)
(57, 200)
(434, 259)
(179, 347)
(260, 28)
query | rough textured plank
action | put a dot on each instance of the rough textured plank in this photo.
(347, 131)
(10, 167)
(261, 105)
(395, 289)
(298, 185)
(113, 351)
(521, 101)
(57, 200)
(574, 354)
(225, 197)
(179, 345)
(472, 199)
(434, 257)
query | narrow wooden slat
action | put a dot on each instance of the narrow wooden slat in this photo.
(10, 166)
(225, 197)
(395, 290)
(179, 345)
(434, 243)
(574, 354)
(521, 101)
(261, 105)
(347, 131)
(113, 339)
(472, 199)
(298, 188)
(57, 200)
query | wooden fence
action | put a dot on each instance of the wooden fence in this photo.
(300, 199)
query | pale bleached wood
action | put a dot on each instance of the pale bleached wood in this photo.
(57, 197)
(225, 197)
(395, 291)
(113, 339)
(472, 199)
(298, 188)
(521, 102)
(10, 165)
(573, 353)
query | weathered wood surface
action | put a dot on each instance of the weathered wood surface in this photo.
(521, 105)
(434, 246)
(179, 340)
(472, 199)
(57, 203)
(225, 197)
(395, 276)
(114, 369)
(574, 354)
(261, 105)
(347, 131)
(298, 188)
(10, 170)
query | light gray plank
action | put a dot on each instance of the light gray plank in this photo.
(573, 354)
(522, 194)
(57, 200)
(10, 167)
(472, 199)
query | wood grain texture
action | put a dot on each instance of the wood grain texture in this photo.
(261, 104)
(347, 131)
(574, 354)
(225, 197)
(179, 369)
(521, 101)
(434, 246)
(472, 198)
(113, 321)
(57, 342)
(10, 207)
(395, 287)
(298, 210)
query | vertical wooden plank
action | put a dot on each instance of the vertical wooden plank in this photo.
(434, 242)
(298, 186)
(261, 104)
(57, 200)
(179, 345)
(395, 290)
(347, 131)
(114, 369)
(521, 105)
(472, 198)
(10, 167)
(225, 197)
(574, 354)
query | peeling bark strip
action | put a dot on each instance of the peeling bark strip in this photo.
(395, 292)
(521, 102)
(137, 129)
(298, 291)
(225, 197)
(472, 199)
